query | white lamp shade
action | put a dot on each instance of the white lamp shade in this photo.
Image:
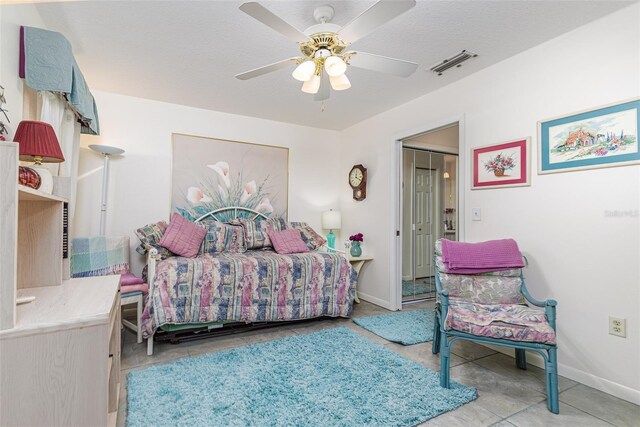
(305, 71)
(335, 66)
(340, 82)
(331, 220)
(313, 85)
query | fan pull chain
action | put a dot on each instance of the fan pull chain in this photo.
(322, 107)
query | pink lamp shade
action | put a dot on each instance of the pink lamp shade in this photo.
(38, 142)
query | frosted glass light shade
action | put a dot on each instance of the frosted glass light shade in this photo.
(305, 71)
(312, 85)
(340, 82)
(335, 66)
(331, 220)
(446, 175)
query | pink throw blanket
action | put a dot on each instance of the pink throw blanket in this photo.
(144, 288)
(475, 258)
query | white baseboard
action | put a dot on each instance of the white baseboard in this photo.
(604, 385)
(374, 300)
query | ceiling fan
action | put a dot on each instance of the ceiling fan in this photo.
(324, 57)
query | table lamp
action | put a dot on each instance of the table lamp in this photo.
(38, 143)
(331, 220)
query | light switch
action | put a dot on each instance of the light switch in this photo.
(476, 214)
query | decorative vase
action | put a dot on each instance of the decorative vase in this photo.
(356, 250)
(498, 172)
(29, 177)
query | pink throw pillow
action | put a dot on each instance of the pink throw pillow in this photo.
(127, 279)
(183, 237)
(288, 241)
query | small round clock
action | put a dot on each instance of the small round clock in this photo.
(358, 182)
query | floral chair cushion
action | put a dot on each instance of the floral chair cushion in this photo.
(513, 322)
(482, 289)
(222, 237)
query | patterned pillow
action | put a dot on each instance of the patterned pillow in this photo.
(182, 236)
(481, 289)
(256, 232)
(222, 237)
(151, 234)
(312, 239)
(288, 241)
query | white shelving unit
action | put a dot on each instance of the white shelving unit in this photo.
(59, 354)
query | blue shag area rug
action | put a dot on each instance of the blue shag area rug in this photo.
(404, 327)
(330, 378)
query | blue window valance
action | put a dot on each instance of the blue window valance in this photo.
(47, 63)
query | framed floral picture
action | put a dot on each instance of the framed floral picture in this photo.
(597, 138)
(501, 165)
(210, 173)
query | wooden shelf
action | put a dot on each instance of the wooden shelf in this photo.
(29, 194)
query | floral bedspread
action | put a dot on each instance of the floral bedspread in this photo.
(254, 286)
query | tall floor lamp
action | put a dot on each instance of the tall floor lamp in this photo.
(106, 151)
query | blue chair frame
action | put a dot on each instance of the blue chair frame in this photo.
(443, 340)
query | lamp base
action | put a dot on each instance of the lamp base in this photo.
(46, 179)
(331, 240)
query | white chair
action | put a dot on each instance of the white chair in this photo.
(138, 299)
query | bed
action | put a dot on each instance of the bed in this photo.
(253, 286)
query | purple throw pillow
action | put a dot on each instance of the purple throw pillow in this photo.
(128, 279)
(288, 241)
(183, 237)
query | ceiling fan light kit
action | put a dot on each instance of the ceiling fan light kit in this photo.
(340, 82)
(323, 46)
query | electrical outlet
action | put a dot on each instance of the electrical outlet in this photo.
(476, 214)
(618, 326)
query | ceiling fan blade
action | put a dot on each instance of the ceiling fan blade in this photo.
(372, 18)
(266, 69)
(268, 18)
(324, 92)
(381, 64)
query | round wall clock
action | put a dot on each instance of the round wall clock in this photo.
(358, 182)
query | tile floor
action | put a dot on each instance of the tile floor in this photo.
(507, 396)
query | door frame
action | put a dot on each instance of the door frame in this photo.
(395, 291)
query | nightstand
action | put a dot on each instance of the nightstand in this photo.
(358, 263)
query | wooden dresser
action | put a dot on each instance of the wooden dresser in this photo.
(59, 354)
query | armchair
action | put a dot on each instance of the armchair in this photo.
(494, 308)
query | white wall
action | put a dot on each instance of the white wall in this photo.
(587, 261)
(140, 181)
(11, 18)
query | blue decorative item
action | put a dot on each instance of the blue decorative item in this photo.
(404, 327)
(331, 240)
(356, 250)
(328, 378)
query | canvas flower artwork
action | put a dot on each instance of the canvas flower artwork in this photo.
(210, 176)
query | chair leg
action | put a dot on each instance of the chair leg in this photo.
(445, 355)
(552, 381)
(139, 323)
(435, 343)
(521, 358)
(150, 345)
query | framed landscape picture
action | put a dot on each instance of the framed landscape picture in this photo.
(210, 173)
(597, 138)
(501, 165)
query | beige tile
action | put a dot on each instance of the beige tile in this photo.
(604, 406)
(470, 350)
(469, 415)
(496, 393)
(422, 354)
(539, 416)
(533, 376)
(214, 344)
(503, 423)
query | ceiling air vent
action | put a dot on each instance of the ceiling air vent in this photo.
(454, 61)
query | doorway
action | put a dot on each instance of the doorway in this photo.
(429, 207)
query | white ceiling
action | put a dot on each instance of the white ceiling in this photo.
(187, 52)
